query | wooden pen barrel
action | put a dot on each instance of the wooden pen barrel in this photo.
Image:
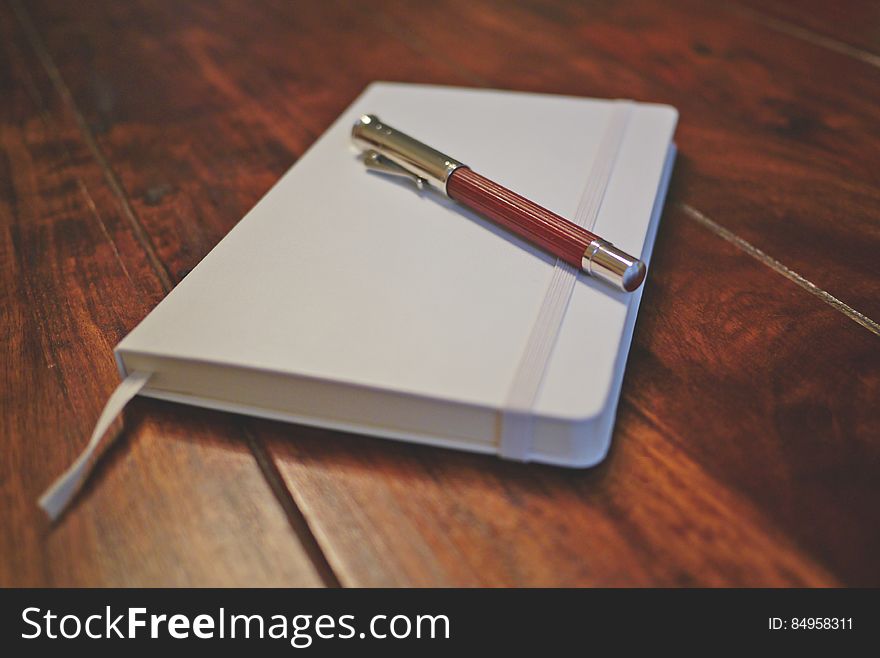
(517, 214)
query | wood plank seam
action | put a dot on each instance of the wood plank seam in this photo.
(35, 95)
(60, 86)
(782, 269)
(46, 120)
(809, 36)
(90, 202)
(294, 515)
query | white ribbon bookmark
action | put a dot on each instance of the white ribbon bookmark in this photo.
(517, 419)
(58, 496)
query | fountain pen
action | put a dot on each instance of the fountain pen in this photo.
(392, 152)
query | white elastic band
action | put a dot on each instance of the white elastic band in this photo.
(62, 491)
(517, 422)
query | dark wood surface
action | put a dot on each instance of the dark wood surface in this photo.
(747, 444)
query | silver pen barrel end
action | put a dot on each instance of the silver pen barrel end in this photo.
(605, 261)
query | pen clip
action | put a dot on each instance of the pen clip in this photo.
(375, 161)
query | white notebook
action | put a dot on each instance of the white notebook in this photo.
(350, 300)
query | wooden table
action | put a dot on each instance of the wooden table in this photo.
(747, 445)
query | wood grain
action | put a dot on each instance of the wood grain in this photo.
(833, 25)
(746, 447)
(180, 502)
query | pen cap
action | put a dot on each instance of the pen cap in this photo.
(369, 133)
(605, 261)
